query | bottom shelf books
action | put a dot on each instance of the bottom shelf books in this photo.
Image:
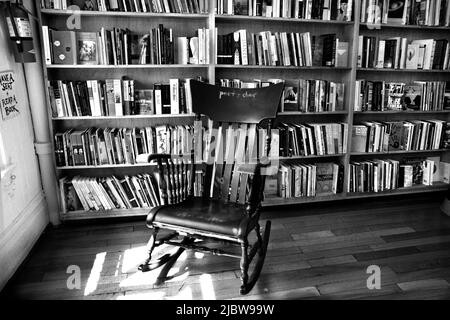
(297, 180)
(387, 174)
(140, 191)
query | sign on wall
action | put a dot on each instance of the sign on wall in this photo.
(8, 98)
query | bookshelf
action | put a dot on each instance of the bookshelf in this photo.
(186, 24)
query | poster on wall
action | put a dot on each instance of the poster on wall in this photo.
(8, 98)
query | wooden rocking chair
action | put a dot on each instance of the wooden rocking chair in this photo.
(229, 210)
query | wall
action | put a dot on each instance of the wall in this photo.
(23, 210)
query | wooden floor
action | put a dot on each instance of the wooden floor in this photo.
(315, 252)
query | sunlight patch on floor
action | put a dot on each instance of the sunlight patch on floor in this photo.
(94, 276)
(133, 257)
(206, 284)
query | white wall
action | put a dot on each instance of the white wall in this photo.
(23, 211)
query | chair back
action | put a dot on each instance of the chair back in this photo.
(233, 136)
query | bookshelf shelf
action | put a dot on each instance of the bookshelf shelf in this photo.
(153, 116)
(371, 113)
(250, 19)
(404, 27)
(368, 154)
(277, 201)
(128, 66)
(315, 114)
(89, 215)
(401, 70)
(233, 66)
(96, 14)
(309, 157)
(440, 186)
(113, 166)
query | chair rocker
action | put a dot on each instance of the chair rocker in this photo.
(229, 209)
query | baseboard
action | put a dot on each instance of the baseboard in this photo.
(17, 240)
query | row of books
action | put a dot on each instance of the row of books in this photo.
(123, 47)
(321, 139)
(298, 180)
(153, 6)
(417, 135)
(340, 10)
(140, 191)
(115, 97)
(406, 12)
(281, 49)
(397, 53)
(388, 174)
(300, 95)
(397, 96)
(313, 96)
(114, 146)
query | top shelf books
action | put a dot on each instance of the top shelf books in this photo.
(340, 10)
(143, 6)
(432, 13)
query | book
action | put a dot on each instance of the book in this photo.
(87, 48)
(63, 47)
(359, 139)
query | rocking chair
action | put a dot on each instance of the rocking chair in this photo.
(229, 209)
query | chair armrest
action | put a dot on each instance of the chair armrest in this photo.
(149, 157)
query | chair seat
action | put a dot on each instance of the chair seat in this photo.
(210, 216)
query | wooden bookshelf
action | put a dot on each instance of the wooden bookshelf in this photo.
(186, 24)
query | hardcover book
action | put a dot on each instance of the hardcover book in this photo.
(64, 47)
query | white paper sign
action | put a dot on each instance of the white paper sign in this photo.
(8, 97)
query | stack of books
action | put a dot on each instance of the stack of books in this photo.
(281, 49)
(153, 6)
(108, 193)
(313, 139)
(340, 10)
(387, 174)
(196, 49)
(301, 180)
(115, 146)
(406, 12)
(397, 96)
(416, 135)
(397, 53)
(313, 96)
(115, 97)
(123, 47)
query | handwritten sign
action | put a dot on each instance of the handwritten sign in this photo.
(8, 97)
(235, 94)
